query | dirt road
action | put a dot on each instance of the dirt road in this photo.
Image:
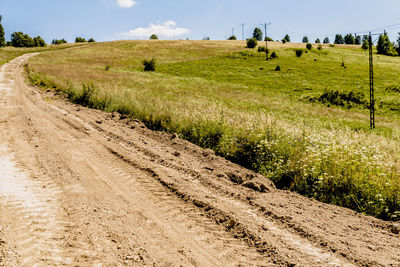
(80, 187)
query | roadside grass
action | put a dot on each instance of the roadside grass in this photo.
(222, 96)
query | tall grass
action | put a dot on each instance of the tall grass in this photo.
(218, 98)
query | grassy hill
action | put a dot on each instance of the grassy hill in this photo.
(306, 127)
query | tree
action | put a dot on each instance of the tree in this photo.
(398, 45)
(318, 41)
(305, 39)
(19, 39)
(154, 37)
(365, 44)
(57, 42)
(286, 38)
(268, 39)
(349, 39)
(358, 40)
(39, 42)
(385, 47)
(339, 39)
(80, 40)
(91, 40)
(232, 37)
(2, 38)
(258, 34)
(326, 40)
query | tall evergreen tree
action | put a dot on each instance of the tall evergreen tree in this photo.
(339, 39)
(2, 38)
(358, 40)
(349, 39)
(326, 40)
(305, 39)
(286, 38)
(258, 34)
(385, 47)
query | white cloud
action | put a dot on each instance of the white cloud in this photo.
(126, 3)
(168, 29)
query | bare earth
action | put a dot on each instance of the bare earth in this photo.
(80, 187)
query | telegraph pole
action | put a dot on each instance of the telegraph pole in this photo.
(371, 84)
(266, 35)
(243, 31)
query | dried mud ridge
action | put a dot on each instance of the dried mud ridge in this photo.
(82, 187)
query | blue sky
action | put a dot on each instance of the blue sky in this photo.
(180, 19)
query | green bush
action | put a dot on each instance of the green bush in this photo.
(232, 37)
(80, 40)
(299, 52)
(318, 41)
(365, 44)
(153, 37)
(19, 39)
(283, 41)
(274, 55)
(286, 38)
(326, 40)
(252, 43)
(91, 40)
(39, 42)
(149, 65)
(319, 47)
(305, 39)
(309, 46)
(342, 99)
(58, 42)
(262, 49)
(278, 68)
(268, 39)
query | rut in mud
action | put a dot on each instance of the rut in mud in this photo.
(83, 187)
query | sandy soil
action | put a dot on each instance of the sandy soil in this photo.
(80, 187)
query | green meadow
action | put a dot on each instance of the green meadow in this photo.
(305, 126)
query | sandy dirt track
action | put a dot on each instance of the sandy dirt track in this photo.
(80, 187)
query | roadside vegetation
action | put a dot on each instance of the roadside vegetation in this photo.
(304, 126)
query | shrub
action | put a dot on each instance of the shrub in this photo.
(80, 40)
(365, 44)
(342, 99)
(305, 39)
(252, 43)
(278, 68)
(19, 39)
(349, 39)
(320, 47)
(232, 37)
(268, 39)
(258, 34)
(318, 41)
(287, 38)
(153, 37)
(339, 39)
(385, 47)
(57, 42)
(149, 65)
(274, 55)
(262, 49)
(107, 67)
(332, 45)
(39, 42)
(299, 52)
(309, 46)
(283, 41)
(91, 40)
(326, 40)
(2, 38)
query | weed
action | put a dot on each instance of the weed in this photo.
(149, 65)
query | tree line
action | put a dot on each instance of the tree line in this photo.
(384, 45)
(20, 39)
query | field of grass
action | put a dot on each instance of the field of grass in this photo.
(9, 53)
(306, 127)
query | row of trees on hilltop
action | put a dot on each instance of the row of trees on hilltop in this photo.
(20, 39)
